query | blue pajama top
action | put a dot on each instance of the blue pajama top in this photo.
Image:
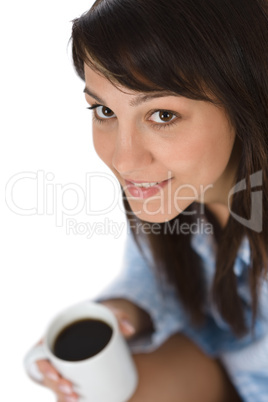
(245, 359)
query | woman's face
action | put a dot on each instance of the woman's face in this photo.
(166, 151)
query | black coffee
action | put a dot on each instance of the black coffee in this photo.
(82, 339)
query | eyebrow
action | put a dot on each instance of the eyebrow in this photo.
(138, 99)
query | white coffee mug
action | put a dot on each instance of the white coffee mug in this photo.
(109, 376)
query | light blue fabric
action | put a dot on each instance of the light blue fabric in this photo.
(246, 359)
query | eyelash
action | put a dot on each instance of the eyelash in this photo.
(156, 126)
(95, 118)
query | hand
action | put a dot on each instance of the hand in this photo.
(59, 385)
(131, 319)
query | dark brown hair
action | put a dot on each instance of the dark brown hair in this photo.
(192, 48)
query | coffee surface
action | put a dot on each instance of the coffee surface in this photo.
(82, 339)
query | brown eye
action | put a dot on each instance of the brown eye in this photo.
(107, 112)
(104, 112)
(163, 116)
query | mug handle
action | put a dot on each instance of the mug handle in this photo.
(38, 352)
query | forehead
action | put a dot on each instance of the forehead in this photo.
(97, 86)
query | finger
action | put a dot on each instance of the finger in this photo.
(67, 399)
(53, 380)
(125, 326)
(65, 394)
(49, 372)
(65, 388)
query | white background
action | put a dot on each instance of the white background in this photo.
(46, 128)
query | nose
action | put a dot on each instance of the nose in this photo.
(130, 153)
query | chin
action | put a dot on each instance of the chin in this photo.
(155, 217)
(158, 215)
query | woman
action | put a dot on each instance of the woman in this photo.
(179, 93)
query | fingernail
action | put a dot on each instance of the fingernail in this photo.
(65, 389)
(70, 399)
(128, 327)
(52, 376)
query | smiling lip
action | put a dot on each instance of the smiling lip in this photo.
(145, 192)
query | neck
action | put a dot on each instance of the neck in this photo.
(221, 213)
(218, 200)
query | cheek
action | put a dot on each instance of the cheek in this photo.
(103, 146)
(203, 156)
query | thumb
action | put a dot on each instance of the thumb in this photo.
(126, 327)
